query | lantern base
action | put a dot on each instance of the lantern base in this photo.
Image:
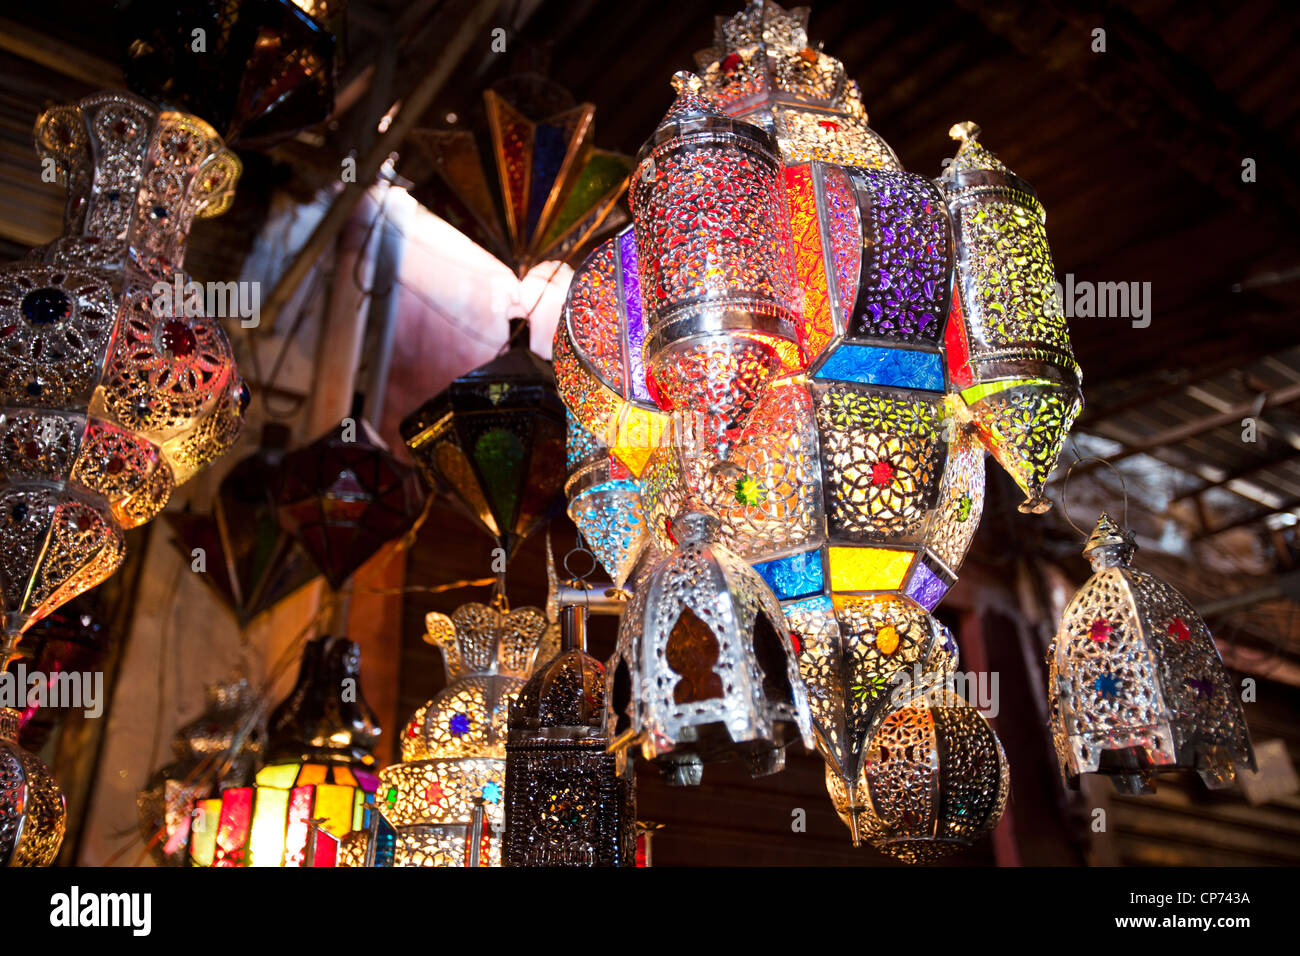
(1037, 505)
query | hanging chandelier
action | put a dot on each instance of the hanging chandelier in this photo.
(1135, 680)
(892, 329)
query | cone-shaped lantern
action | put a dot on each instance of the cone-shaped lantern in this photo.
(1135, 680)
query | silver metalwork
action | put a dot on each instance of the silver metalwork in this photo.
(704, 670)
(1136, 683)
(33, 812)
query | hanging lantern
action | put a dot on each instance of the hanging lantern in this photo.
(114, 392)
(254, 562)
(444, 797)
(216, 751)
(568, 801)
(32, 809)
(716, 275)
(934, 780)
(704, 667)
(555, 188)
(1011, 348)
(493, 442)
(604, 503)
(319, 771)
(761, 68)
(264, 70)
(345, 496)
(1136, 682)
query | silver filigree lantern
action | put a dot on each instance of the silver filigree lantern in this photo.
(704, 670)
(33, 811)
(1136, 683)
(116, 386)
(934, 780)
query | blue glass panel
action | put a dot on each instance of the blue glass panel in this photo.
(875, 365)
(794, 576)
(550, 143)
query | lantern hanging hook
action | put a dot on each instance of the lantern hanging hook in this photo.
(1065, 487)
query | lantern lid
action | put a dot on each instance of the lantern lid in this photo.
(1110, 545)
(971, 154)
(568, 690)
(321, 721)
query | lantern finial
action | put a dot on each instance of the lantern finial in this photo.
(1110, 545)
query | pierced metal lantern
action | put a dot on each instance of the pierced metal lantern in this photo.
(116, 385)
(704, 669)
(493, 442)
(1136, 683)
(1013, 366)
(449, 783)
(345, 496)
(217, 750)
(553, 190)
(264, 72)
(934, 780)
(716, 276)
(33, 812)
(253, 562)
(604, 503)
(761, 68)
(568, 800)
(319, 771)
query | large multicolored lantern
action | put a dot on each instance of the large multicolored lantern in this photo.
(1136, 683)
(849, 470)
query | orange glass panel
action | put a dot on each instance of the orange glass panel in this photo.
(817, 326)
(312, 773)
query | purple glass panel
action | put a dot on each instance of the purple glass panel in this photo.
(635, 321)
(926, 588)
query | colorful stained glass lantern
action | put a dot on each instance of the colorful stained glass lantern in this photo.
(216, 751)
(319, 772)
(1136, 683)
(257, 70)
(568, 800)
(117, 387)
(704, 670)
(552, 189)
(345, 496)
(934, 780)
(444, 798)
(252, 563)
(493, 443)
(1013, 366)
(33, 812)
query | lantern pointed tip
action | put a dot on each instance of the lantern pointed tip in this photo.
(1110, 544)
(964, 132)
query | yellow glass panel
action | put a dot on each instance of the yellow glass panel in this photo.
(280, 775)
(312, 773)
(358, 809)
(868, 569)
(334, 804)
(636, 435)
(266, 844)
(344, 776)
(203, 833)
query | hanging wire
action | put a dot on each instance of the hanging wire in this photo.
(1065, 486)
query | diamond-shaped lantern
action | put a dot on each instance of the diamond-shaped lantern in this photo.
(252, 562)
(345, 496)
(257, 70)
(493, 442)
(1136, 683)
